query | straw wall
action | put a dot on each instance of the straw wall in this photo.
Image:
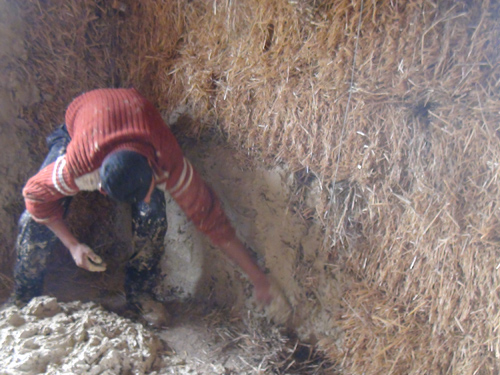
(391, 106)
(408, 166)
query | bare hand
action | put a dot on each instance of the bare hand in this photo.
(280, 310)
(263, 291)
(85, 258)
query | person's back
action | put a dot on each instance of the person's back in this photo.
(104, 120)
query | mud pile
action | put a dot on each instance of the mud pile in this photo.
(53, 338)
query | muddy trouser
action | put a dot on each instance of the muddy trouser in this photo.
(149, 226)
(35, 241)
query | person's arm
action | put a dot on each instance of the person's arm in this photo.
(204, 209)
(237, 252)
(83, 255)
(43, 201)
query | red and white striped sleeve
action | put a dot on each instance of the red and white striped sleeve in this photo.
(43, 192)
(200, 204)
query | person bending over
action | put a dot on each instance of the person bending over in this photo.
(116, 142)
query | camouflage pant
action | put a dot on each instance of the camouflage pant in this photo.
(35, 241)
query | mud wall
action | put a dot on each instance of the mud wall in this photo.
(16, 160)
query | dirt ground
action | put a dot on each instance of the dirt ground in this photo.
(53, 337)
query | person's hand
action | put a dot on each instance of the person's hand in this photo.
(85, 258)
(263, 293)
(280, 310)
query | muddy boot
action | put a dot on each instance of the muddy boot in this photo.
(149, 311)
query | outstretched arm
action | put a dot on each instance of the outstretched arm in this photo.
(237, 252)
(83, 255)
(202, 206)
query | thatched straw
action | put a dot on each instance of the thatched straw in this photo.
(71, 48)
(418, 222)
(411, 216)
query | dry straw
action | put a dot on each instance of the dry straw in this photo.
(267, 350)
(415, 223)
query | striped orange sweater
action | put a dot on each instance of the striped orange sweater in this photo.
(105, 120)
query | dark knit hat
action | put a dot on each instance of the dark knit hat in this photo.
(126, 176)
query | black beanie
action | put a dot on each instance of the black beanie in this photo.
(126, 176)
